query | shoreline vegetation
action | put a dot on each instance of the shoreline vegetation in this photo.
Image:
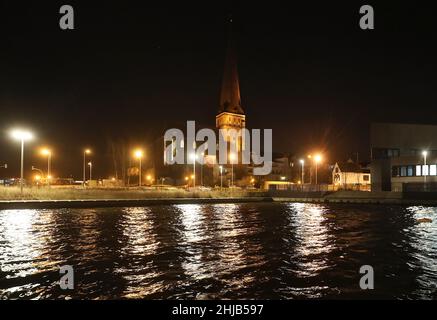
(78, 193)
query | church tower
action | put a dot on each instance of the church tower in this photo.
(230, 114)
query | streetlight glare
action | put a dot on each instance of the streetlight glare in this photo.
(138, 153)
(87, 151)
(45, 152)
(318, 158)
(302, 161)
(19, 134)
(424, 153)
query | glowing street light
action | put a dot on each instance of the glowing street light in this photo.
(317, 160)
(139, 155)
(85, 152)
(22, 136)
(425, 170)
(302, 162)
(48, 153)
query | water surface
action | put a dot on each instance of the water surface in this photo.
(216, 251)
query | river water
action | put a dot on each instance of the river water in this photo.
(220, 251)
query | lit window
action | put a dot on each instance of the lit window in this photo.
(403, 171)
(418, 170)
(433, 170)
(410, 171)
(425, 170)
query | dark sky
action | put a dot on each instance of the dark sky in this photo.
(131, 70)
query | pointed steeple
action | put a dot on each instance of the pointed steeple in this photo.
(230, 100)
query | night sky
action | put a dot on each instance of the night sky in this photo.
(131, 70)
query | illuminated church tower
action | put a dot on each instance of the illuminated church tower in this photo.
(230, 114)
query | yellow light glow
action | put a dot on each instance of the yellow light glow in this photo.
(87, 151)
(318, 158)
(49, 177)
(138, 153)
(149, 177)
(186, 178)
(37, 177)
(90, 164)
(45, 152)
(19, 134)
(192, 176)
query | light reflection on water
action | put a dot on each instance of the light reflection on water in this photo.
(263, 250)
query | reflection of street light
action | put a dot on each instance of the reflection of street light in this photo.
(85, 152)
(302, 162)
(22, 135)
(139, 155)
(48, 153)
(317, 159)
(424, 153)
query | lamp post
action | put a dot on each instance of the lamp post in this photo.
(424, 153)
(85, 152)
(139, 155)
(48, 153)
(22, 136)
(193, 157)
(90, 164)
(317, 159)
(302, 162)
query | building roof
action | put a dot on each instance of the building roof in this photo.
(350, 166)
(230, 100)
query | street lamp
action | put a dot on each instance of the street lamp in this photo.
(139, 155)
(193, 157)
(85, 152)
(22, 136)
(425, 169)
(302, 162)
(90, 164)
(317, 159)
(48, 153)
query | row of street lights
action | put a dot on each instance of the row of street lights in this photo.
(317, 159)
(193, 157)
(24, 135)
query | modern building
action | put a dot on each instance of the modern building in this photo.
(403, 157)
(351, 176)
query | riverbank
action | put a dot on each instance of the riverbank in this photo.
(79, 193)
(44, 198)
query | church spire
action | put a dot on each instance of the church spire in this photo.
(230, 100)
